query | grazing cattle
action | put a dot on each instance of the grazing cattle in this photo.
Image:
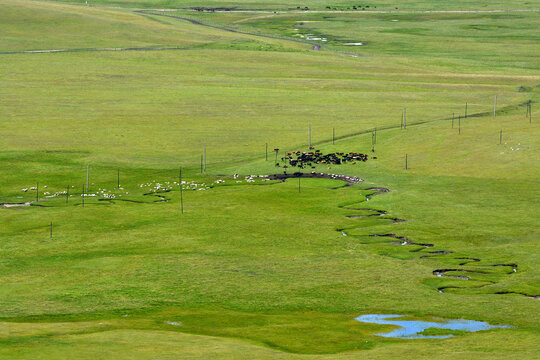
(309, 159)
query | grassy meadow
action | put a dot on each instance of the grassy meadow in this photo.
(256, 268)
(375, 5)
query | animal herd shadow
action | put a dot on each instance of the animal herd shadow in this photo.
(454, 272)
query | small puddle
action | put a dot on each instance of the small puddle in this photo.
(8, 205)
(173, 323)
(412, 329)
(310, 36)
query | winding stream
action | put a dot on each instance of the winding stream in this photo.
(472, 271)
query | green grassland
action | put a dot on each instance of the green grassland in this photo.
(256, 268)
(374, 5)
(29, 25)
(459, 41)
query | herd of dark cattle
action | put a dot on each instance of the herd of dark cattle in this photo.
(310, 159)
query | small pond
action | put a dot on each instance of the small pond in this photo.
(412, 329)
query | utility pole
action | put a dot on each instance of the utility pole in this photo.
(495, 107)
(181, 191)
(406, 165)
(405, 118)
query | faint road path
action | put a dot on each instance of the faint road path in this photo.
(359, 11)
(48, 51)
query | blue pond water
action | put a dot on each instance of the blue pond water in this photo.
(411, 329)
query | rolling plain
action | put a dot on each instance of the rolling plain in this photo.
(163, 256)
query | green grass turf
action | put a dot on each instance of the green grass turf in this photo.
(31, 25)
(258, 270)
(375, 5)
(451, 40)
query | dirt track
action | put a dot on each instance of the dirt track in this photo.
(364, 11)
(49, 51)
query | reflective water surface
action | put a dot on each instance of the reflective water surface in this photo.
(411, 329)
